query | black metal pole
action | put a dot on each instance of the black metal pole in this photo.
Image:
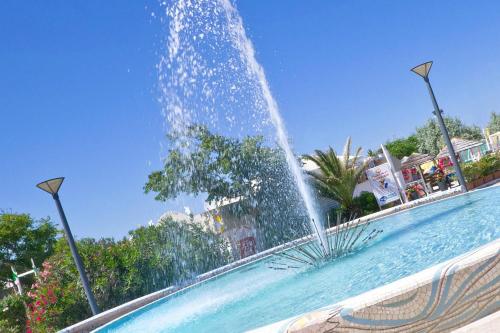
(76, 257)
(444, 131)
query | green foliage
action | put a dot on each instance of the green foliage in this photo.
(484, 167)
(220, 166)
(430, 139)
(5, 327)
(337, 177)
(48, 302)
(400, 148)
(494, 124)
(470, 171)
(366, 203)
(175, 252)
(22, 238)
(229, 168)
(371, 153)
(13, 314)
(152, 258)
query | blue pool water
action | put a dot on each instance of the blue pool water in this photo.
(255, 295)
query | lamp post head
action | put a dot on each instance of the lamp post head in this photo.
(423, 70)
(51, 186)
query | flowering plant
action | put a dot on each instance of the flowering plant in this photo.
(411, 189)
(43, 295)
(439, 176)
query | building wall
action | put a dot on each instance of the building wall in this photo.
(362, 187)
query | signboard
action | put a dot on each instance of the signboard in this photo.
(247, 247)
(383, 184)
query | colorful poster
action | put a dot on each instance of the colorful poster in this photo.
(383, 184)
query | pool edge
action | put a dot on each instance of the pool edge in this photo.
(441, 298)
(114, 314)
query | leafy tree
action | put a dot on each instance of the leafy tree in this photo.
(22, 238)
(431, 141)
(337, 177)
(152, 258)
(494, 124)
(174, 252)
(227, 168)
(400, 148)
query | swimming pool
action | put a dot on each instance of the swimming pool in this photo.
(255, 295)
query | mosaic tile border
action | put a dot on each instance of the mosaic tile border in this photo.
(439, 299)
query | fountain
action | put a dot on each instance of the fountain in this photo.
(209, 75)
(245, 46)
(195, 87)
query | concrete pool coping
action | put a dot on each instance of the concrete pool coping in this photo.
(115, 313)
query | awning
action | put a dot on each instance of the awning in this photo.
(415, 159)
(459, 145)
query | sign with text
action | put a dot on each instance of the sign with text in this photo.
(383, 184)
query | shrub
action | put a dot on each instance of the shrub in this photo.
(489, 164)
(46, 302)
(484, 167)
(154, 257)
(13, 314)
(366, 203)
(470, 171)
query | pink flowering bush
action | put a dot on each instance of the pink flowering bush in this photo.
(53, 298)
(43, 295)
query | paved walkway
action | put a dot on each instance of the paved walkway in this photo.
(488, 324)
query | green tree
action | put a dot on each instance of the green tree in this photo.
(400, 148)
(494, 123)
(430, 139)
(22, 238)
(337, 177)
(152, 258)
(227, 168)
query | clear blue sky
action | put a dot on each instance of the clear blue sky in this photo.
(78, 89)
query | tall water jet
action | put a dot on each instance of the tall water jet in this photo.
(247, 51)
(198, 76)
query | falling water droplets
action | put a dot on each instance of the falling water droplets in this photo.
(209, 75)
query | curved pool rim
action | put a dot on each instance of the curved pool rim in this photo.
(240, 264)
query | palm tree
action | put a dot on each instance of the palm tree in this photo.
(372, 153)
(337, 177)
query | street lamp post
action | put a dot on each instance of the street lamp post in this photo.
(52, 186)
(423, 71)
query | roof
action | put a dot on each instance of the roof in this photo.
(308, 165)
(459, 145)
(415, 159)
